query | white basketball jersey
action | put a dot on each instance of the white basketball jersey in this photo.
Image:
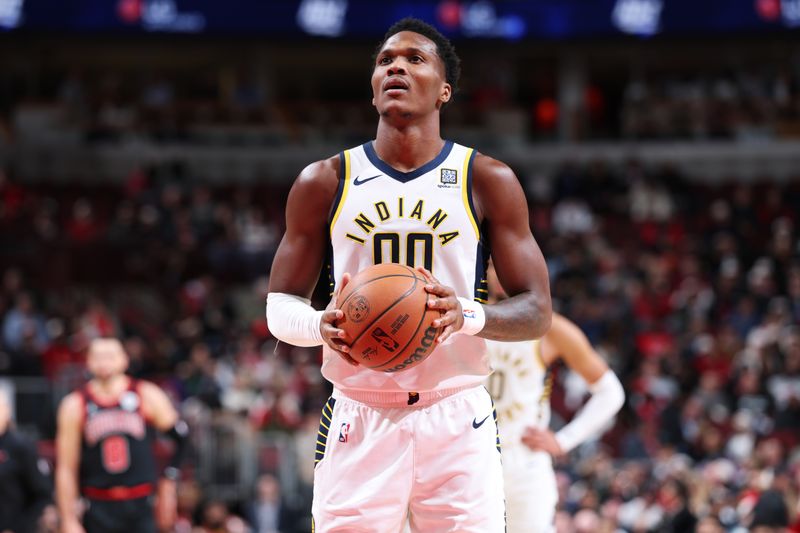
(419, 218)
(520, 386)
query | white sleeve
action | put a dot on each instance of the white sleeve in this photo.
(292, 319)
(607, 398)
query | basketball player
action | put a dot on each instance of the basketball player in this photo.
(419, 444)
(104, 449)
(520, 385)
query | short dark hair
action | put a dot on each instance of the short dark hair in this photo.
(445, 49)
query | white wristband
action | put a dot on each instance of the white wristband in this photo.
(474, 316)
(291, 319)
(607, 398)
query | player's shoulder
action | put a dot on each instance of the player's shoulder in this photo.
(316, 186)
(148, 390)
(321, 172)
(488, 169)
(495, 187)
(71, 406)
(73, 399)
(144, 386)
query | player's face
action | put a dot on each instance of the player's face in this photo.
(106, 359)
(409, 77)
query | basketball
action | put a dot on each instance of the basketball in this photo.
(386, 318)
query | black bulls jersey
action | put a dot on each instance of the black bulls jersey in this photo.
(117, 443)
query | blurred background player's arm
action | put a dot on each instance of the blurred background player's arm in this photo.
(68, 450)
(567, 341)
(159, 411)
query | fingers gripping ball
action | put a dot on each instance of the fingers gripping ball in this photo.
(386, 318)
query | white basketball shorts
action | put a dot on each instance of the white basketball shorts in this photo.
(531, 491)
(387, 458)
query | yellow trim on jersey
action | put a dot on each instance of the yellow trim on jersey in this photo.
(465, 192)
(344, 190)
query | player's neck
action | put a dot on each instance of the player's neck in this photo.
(409, 147)
(109, 388)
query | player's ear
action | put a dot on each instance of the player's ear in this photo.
(446, 94)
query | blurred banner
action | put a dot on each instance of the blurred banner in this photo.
(498, 19)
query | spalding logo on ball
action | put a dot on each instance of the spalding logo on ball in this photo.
(386, 318)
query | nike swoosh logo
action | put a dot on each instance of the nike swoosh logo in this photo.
(477, 424)
(361, 182)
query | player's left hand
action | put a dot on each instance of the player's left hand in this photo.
(444, 299)
(542, 440)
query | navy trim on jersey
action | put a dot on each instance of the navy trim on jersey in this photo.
(482, 254)
(331, 277)
(324, 428)
(405, 177)
(335, 207)
(496, 428)
(339, 189)
(469, 191)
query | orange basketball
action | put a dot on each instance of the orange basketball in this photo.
(386, 318)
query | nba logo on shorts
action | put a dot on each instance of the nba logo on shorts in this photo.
(449, 176)
(343, 431)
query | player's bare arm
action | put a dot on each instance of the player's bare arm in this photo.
(161, 414)
(500, 202)
(298, 260)
(68, 449)
(157, 407)
(566, 341)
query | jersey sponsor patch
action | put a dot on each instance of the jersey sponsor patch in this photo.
(448, 176)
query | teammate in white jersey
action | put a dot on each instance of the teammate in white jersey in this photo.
(419, 444)
(521, 385)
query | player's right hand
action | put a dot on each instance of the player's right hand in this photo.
(444, 299)
(332, 335)
(542, 440)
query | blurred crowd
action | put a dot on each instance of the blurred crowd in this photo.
(260, 105)
(743, 104)
(690, 291)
